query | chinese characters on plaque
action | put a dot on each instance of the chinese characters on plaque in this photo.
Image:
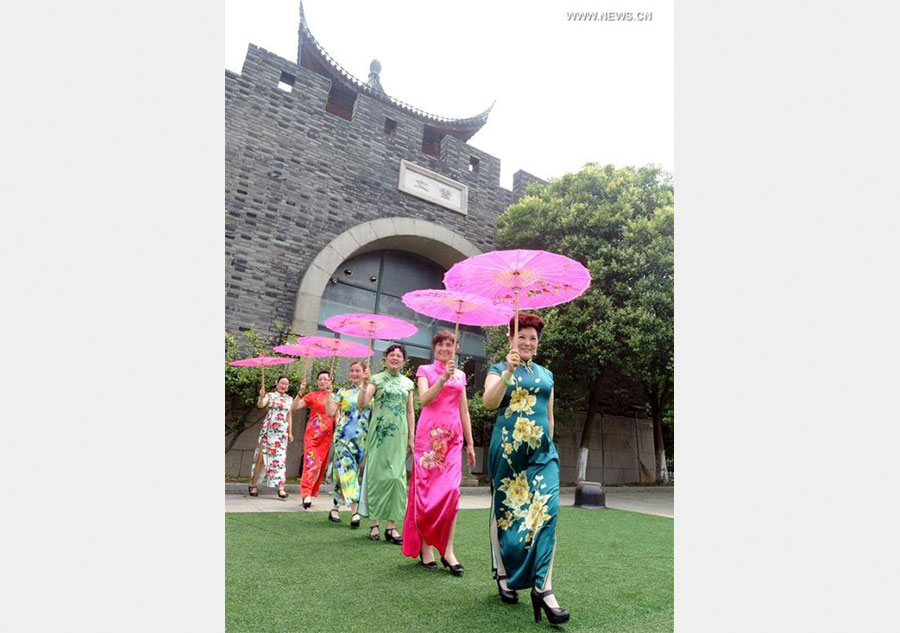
(433, 187)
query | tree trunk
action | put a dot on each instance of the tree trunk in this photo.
(657, 406)
(583, 451)
(484, 448)
(662, 472)
(602, 450)
(242, 425)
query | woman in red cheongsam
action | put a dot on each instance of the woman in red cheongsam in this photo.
(316, 438)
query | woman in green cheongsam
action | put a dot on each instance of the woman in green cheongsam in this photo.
(392, 429)
(350, 431)
(524, 469)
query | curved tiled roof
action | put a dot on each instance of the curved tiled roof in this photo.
(463, 128)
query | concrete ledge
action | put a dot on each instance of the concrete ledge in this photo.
(654, 500)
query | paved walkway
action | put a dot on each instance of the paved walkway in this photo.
(644, 499)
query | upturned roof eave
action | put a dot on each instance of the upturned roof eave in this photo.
(310, 45)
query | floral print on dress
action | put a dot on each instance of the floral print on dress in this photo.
(527, 432)
(350, 431)
(316, 442)
(441, 440)
(536, 514)
(525, 508)
(273, 440)
(347, 481)
(390, 404)
(385, 430)
(521, 401)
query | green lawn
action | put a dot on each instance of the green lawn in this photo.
(298, 572)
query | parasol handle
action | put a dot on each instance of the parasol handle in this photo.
(262, 371)
(305, 368)
(456, 339)
(369, 357)
(515, 344)
(333, 358)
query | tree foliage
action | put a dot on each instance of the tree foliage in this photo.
(242, 383)
(619, 223)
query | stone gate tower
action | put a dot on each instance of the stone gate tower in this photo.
(340, 197)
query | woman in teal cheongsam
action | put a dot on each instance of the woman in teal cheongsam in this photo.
(349, 443)
(524, 469)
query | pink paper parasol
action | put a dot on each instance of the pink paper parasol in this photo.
(521, 278)
(262, 362)
(304, 349)
(370, 326)
(459, 307)
(321, 346)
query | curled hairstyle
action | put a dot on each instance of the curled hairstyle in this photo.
(282, 376)
(357, 362)
(323, 371)
(526, 319)
(391, 348)
(443, 335)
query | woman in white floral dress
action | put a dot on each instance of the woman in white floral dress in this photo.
(524, 469)
(269, 459)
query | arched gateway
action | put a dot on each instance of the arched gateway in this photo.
(426, 239)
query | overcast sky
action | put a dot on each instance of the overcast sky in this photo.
(566, 92)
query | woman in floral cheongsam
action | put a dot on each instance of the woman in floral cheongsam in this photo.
(437, 461)
(524, 468)
(316, 438)
(390, 438)
(349, 444)
(269, 459)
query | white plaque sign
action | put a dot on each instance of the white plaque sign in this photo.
(428, 185)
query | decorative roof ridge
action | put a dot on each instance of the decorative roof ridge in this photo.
(373, 91)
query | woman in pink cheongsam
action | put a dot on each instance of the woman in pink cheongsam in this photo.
(433, 501)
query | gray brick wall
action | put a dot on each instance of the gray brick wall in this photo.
(520, 182)
(297, 176)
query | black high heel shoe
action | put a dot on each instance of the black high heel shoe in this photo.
(456, 570)
(509, 596)
(554, 616)
(390, 536)
(334, 516)
(431, 565)
(354, 521)
(374, 533)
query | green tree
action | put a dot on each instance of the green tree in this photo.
(618, 223)
(242, 383)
